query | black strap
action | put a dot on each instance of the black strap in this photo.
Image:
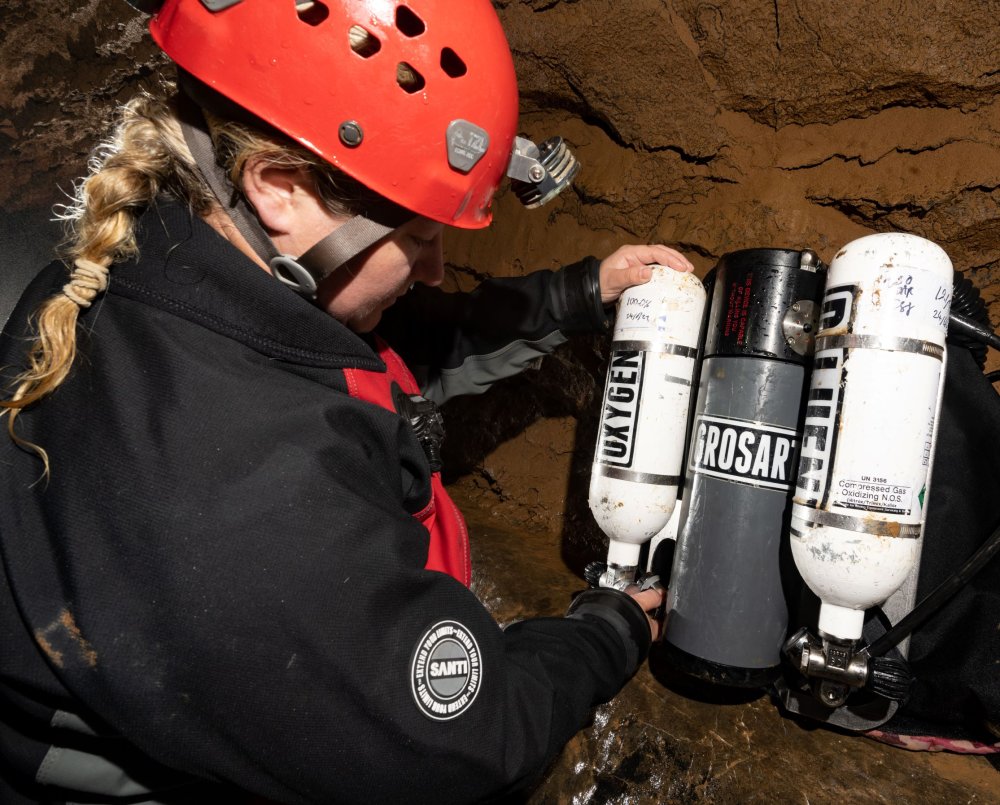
(199, 142)
(304, 273)
(344, 243)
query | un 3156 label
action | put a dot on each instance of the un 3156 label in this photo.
(873, 496)
(744, 452)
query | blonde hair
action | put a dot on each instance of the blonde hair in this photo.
(145, 157)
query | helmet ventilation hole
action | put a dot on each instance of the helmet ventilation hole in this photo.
(409, 79)
(364, 43)
(312, 12)
(452, 63)
(408, 22)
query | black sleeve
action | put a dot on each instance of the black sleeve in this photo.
(237, 587)
(462, 343)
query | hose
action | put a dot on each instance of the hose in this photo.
(922, 611)
(963, 326)
(968, 326)
(967, 305)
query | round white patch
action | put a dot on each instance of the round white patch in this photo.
(446, 672)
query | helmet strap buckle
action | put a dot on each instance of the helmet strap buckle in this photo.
(288, 271)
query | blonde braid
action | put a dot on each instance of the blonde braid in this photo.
(146, 156)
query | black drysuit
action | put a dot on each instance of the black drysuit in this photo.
(221, 587)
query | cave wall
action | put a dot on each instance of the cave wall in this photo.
(728, 125)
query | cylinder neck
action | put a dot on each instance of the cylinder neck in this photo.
(840, 622)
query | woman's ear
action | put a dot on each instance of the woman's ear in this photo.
(288, 205)
(276, 193)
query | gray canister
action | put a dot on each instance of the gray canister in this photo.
(727, 614)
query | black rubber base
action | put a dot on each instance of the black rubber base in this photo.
(717, 673)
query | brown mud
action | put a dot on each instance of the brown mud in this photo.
(667, 740)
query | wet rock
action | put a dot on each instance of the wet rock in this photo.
(65, 66)
(668, 739)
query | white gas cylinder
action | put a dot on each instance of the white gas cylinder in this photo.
(870, 425)
(640, 440)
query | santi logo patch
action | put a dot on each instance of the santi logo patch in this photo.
(621, 408)
(446, 672)
(744, 452)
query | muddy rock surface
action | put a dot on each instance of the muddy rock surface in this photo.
(666, 739)
(709, 126)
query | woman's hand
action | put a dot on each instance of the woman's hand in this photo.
(629, 265)
(651, 601)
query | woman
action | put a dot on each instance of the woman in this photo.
(231, 569)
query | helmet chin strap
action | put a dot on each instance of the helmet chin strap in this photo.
(302, 274)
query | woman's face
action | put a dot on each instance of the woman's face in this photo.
(359, 292)
(295, 216)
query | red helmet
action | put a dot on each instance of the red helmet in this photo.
(415, 99)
